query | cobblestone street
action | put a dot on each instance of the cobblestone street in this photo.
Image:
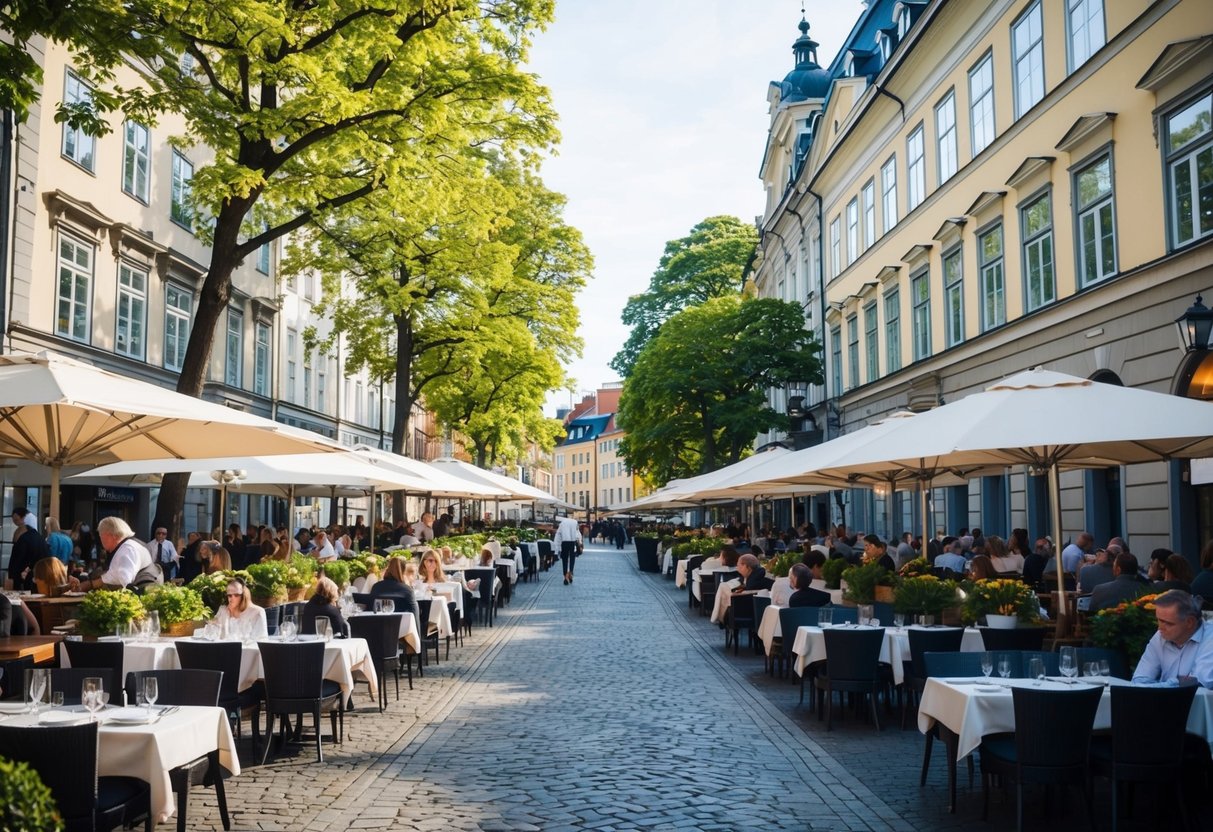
(603, 705)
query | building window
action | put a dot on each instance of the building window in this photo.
(178, 307)
(1189, 148)
(852, 231)
(136, 160)
(981, 108)
(903, 23)
(836, 359)
(953, 297)
(1036, 224)
(993, 280)
(130, 337)
(835, 247)
(853, 350)
(183, 172)
(945, 133)
(920, 292)
(261, 360)
(869, 213)
(892, 330)
(916, 170)
(871, 341)
(263, 253)
(321, 399)
(292, 340)
(233, 373)
(307, 383)
(888, 192)
(1084, 23)
(73, 314)
(78, 146)
(1028, 59)
(1096, 223)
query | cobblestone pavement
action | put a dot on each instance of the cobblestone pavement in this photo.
(604, 705)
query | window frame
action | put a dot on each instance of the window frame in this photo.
(1071, 63)
(985, 269)
(953, 292)
(871, 331)
(918, 176)
(1171, 158)
(262, 358)
(836, 356)
(179, 331)
(180, 211)
(1020, 107)
(853, 351)
(233, 359)
(1037, 238)
(84, 154)
(80, 243)
(836, 246)
(1095, 207)
(852, 230)
(985, 62)
(132, 296)
(888, 193)
(132, 153)
(946, 139)
(867, 211)
(920, 329)
(892, 329)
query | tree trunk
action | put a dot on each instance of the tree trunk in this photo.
(212, 302)
(482, 453)
(401, 425)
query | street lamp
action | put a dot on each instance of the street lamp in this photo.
(225, 478)
(1195, 326)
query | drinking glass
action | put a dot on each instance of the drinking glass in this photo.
(389, 606)
(1105, 668)
(378, 605)
(1004, 666)
(152, 625)
(37, 688)
(322, 629)
(1036, 669)
(825, 617)
(151, 692)
(928, 621)
(987, 664)
(90, 695)
(899, 620)
(289, 629)
(1067, 662)
(866, 613)
(57, 699)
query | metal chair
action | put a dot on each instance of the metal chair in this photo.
(98, 654)
(382, 634)
(295, 685)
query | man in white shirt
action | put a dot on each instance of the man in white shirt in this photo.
(423, 529)
(129, 558)
(164, 553)
(324, 550)
(568, 541)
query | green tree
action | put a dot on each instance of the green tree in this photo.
(709, 262)
(310, 108)
(696, 397)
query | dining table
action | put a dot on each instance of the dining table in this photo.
(964, 710)
(810, 646)
(149, 750)
(40, 648)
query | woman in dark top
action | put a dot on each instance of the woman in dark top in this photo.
(323, 605)
(393, 585)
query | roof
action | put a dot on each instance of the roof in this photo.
(587, 428)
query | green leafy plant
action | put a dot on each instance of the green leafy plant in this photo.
(1000, 596)
(268, 579)
(831, 573)
(338, 571)
(914, 568)
(26, 803)
(364, 564)
(862, 581)
(174, 604)
(780, 565)
(102, 610)
(924, 595)
(300, 572)
(212, 588)
(1127, 627)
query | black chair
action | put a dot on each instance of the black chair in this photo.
(70, 679)
(792, 619)
(507, 589)
(842, 615)
(307, 624)
(366, 600)
(382, 634)
(294, 686)
(224, 657)
(546, 554)
(485, 592)
(187, 687)
(427, 630)
(98, 654)
(741, 615)
(884, 613)
(1145, 750)
(12, 673)
(693, 563)
(1115, 659)
(1019, 638)
(957, 665)
(944, 640)
(1050, 660)
(1050, 745)
(65, 757)
(469, 609)
(456, 626)
(707, 592)
(761, 602)
(852, 666)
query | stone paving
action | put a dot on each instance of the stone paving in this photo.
(604, 705)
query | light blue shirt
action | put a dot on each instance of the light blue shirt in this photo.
(950, 560)
(1163, 661)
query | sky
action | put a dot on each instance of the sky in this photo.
(663, 116)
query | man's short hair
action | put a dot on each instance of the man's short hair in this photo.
(1126, 563)
(20, 511)
(813, 558)
(874, 540)
(1184, 603)
(1161, 554)
(802, 575)
(115, 526)
(749, 560)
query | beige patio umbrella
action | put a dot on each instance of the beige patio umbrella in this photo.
(60, 412)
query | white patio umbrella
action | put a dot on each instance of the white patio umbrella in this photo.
(1046, 420)
(516, 489)
(442, 482)
(60, 412)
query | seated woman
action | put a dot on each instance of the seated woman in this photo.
(240, 608)
(214, 557)
(1005, 561)
(487, 558)
(394, 585)
(50, 577)
(323, 604)
(431, 573)
(1176, 574)
(16, 619)
(981, 568)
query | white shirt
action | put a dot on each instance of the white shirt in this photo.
(567, 532)
(130, 556)
(325, 552)
(254, 614)
(168, 553)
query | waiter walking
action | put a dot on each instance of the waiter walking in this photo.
(568, 540)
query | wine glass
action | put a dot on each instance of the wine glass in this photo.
(90, 690)
(389, 606)
(987, 664)
(37, 688)
(1004, 666)
(289, 629)
(1105, 669)
(152, 623)
(1067, 662)
(899, 620)
(322, 628)
(151, 692)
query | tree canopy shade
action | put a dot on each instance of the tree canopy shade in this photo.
(707, 263)
(696, 397)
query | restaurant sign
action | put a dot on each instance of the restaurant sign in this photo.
(106, 494)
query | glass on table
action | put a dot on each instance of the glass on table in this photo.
(1105, 668)
(90, 695)
(151, 692)
(289, 629)
(899, 620)
(322, 629)
(987, 664)
(389, 606)
(1004, 666)
(378, 605)
(36, 680)
(1036, 669)
(151, 625)
(56, 699)
(825, 617)
(1067, 662)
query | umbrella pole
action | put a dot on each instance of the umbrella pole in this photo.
(222, 508)
(1055, 510)
(889, 506)
(55, 473)
(926, 503)
(372, 526)
(793, 503)
(290, 510)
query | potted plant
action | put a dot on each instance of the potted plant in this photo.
(103, 611)
(26, 803)
(267, 583)
(212, 588)
(924, 595)
(180, 608)
(831, 573)
(864, 583)
(914, 568)
(338, 571)
(299, 576)
(646, 552)
(1126, 627)
(1004, 602)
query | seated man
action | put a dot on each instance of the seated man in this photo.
(875, 549)
(815, 560)
(1182, 649)
(952, 558)
(1124, 587)
(1099, 571)
(753, 576)
(805, 595)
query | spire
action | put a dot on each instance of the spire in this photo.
(805, 48)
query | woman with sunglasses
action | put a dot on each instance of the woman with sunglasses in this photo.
(240, 608)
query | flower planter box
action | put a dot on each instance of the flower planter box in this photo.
(1002, 622)
(646, 554)
(182, 629)
(884, 594)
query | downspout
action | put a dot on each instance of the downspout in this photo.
(882, 91)
(7, 199)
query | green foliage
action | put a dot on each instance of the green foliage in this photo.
(463, 545)
(300, 571)
(697, 546)
(268, 579)
(1127, 627)
(697, 395)
(709, 262)
(363, 564)
(102, 610)
(924, 595)
(862, 581)
(831, 573)
(914, 568)
(1000, 596)
(338, 571)
(174, 604)
(780, 565)
(26, 803)
(212, 588)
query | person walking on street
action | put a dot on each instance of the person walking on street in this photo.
(568, 540)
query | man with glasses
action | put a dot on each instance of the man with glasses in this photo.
(164, 553)
(1182, 649)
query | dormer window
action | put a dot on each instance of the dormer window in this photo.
(848, 67)
(886, 47)
(903, 22)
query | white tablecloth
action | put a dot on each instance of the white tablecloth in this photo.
(971, 712)
(149, 752)
(440, 613)
(408, 629)
(695, 573)
(724, 598)
(769, 628)
(810, 646)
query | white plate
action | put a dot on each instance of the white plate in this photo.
(61, 717)
(130, 716)
(12, 707)
(991, 689)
